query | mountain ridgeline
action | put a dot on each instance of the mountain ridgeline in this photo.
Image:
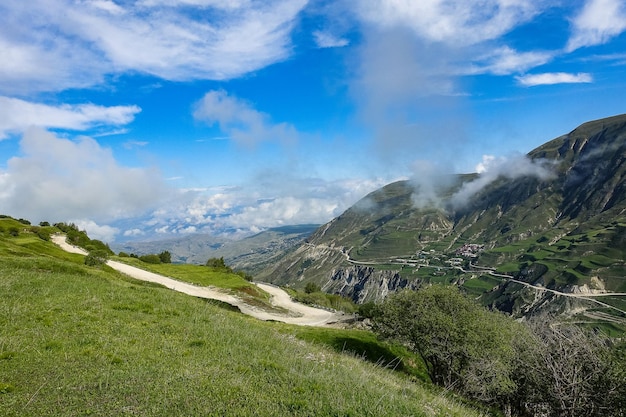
(547, 231)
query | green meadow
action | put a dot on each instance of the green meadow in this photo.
(86, 341)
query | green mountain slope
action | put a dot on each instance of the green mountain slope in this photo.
(78, 340)
(554, 219)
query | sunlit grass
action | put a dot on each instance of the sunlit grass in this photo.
(80, 341)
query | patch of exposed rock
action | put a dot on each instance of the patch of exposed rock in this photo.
(364, 283)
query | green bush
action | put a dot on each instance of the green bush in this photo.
(150, 259)
(42, 233)
(312, 287)
(216, 263)
(96, 258)
(368, 310)
(165, 257)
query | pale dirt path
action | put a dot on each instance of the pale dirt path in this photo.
(301, 314)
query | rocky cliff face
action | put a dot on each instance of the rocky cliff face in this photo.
(366, 284)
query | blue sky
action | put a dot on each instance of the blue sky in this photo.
(153, 118)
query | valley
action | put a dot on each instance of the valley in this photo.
(79, 339)
(294, 313)
(549, 240)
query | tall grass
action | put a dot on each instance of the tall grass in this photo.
(77, 341)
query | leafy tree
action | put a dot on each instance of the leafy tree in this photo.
(42, 233)
(14, 231)
(165, 257)
(96, 258)
(368, 310)
(216, 263)
(44, 224)
(464, 346)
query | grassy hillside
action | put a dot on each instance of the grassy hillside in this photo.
(76, 341)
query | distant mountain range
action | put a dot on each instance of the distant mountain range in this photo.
(250, 254)
(544, 231)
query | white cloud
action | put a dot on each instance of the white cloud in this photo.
(549, 78)
(33, 59)
(597, 23)
(133, 232)
(240, 121)
(57, 179)
(17, 115)
(505, 61)
(493, 168)
(462, 22)
(95, 231)
(328, 40)
(280, 200)
(428, 179)
(48, 45)
(483, 166)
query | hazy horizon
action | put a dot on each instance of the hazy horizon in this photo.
(195, 116)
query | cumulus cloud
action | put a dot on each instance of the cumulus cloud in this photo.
(597, 23)
(240, 121)
(492, 168)
(17, 115)
(57, 179)
(275, 201)
(95, 231)
(49, 45)
(550, 78)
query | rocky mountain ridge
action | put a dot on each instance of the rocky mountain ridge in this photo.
(555, 219)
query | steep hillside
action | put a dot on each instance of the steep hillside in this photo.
(555, 219)
(78, 340)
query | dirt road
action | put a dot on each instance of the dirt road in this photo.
(299, 314)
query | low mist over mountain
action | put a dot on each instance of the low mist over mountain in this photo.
(518, 234)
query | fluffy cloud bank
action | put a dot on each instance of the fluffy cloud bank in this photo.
(244, 210)
(57, 179)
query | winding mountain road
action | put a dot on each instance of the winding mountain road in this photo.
(299, 314)
(582, 296)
